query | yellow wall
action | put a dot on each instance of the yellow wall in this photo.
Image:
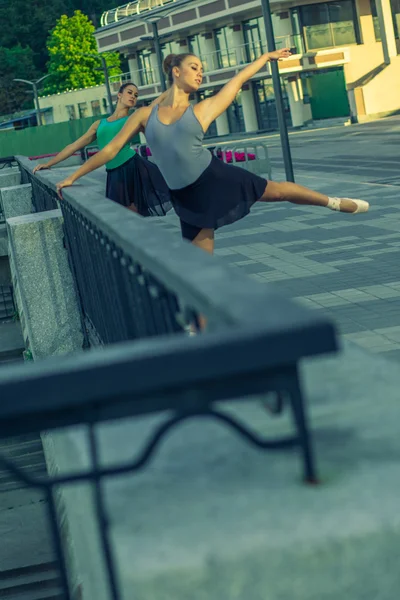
(376, 85)
(382, 93)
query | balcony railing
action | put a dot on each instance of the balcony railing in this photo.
(129, 10)
(216, 61)
(141, 77)
(246, 53)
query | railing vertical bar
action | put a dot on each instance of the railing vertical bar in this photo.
(102, 517)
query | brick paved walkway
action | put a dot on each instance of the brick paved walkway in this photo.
(345, 265)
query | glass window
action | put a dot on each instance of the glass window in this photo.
(96, 109)
(212, 130)
(235, 115)
(266, 105)
(226, 52)
(171, 48)
(329, 24)
(377, 28)
(83, 109)
(255, 38)
(71, 112)
(395, 4)
(48, 117)
(145, 68)
(198, 45)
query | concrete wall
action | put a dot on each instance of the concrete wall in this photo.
(382, 93)
(59, 102)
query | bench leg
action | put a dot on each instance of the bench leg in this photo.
(305, 442)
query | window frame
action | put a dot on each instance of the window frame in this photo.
(396, 26)
(71, 113)
(85, 107)
(251, 53)
(356, 25)
(146, 74)
(96, 114)
(231, 63)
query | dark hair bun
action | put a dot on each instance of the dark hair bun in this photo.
(168, 63)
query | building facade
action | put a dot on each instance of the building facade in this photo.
(345, 63)
(74, 104)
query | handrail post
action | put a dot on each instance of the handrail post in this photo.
(276, 80)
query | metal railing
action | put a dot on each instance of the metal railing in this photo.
(141, 77)
(252, 156)
(129, 10)
(218, 60)
(136, 281)
(7, 305)
(6, 163)
(246, 53)
(43, 198)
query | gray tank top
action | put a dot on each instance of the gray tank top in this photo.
(177, 148)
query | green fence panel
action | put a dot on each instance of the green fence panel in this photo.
(35, 141)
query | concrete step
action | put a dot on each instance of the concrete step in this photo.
(27, 454)
(7, 306)
(28, 569)
(12, 356)
(38, 582)
(12, 343)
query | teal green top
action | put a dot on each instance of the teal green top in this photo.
(106, 131)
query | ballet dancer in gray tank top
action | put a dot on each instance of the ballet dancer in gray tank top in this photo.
(206, 193)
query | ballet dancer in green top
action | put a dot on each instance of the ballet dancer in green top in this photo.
(132, 181)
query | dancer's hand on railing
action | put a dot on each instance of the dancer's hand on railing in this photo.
(62, 184)
(279, 54)
(40, 167)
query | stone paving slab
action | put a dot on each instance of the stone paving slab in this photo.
(344, 265)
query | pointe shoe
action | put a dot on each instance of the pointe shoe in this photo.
(334, 204)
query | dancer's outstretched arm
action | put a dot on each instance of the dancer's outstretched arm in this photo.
(85, 139)
(210, 109)
(134, 124)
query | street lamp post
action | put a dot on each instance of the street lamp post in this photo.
(157, 47)
(107, 82)
(104, 68)
(34, 85)
(276, 80)
(150, 17)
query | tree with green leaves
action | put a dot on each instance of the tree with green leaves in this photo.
(74, 61)
(16, 62)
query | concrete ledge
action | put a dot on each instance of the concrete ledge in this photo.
(212, 518)
(3, 240)
(16, 200)
(10, 177)
(75, 509)
(44, 286)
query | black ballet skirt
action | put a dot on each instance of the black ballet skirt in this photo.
(139, 182)
(221, 195)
